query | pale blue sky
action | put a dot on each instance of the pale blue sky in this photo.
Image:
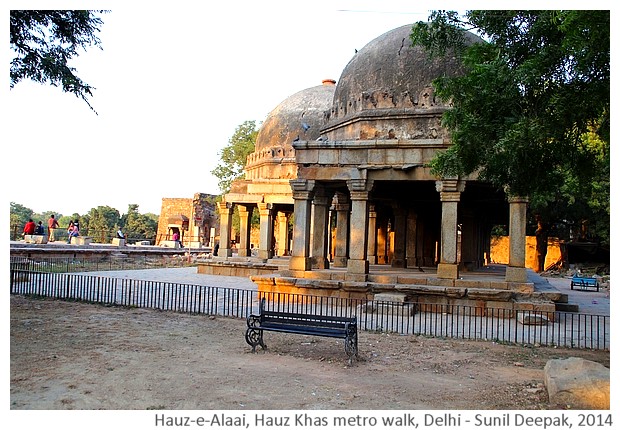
(172, 84)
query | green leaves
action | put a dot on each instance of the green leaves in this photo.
(234, 156)
(45, 41)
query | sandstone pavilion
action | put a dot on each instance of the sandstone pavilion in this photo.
(347, 203)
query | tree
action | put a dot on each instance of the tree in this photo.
(102, 223)
(19, 215)
(234, 156)
(528, 98)
(44, 41)
(136, 225)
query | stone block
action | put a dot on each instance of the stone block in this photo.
(448, 271)
(358, 157)
(467, 283)
(143, 243)
(516, 274)
(576, 383)
(521, 287)
(498, 285)
(118, 242)
(395, 157)
(532, 318)
(35, 238)
(170, 244)
(391, 297)
(329, 157)
(440, 282)
(81, 240)
(404, 279)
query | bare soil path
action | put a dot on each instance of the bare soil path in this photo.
(68, 355)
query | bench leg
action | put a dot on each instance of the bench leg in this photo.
(350, 346)
(254, 338)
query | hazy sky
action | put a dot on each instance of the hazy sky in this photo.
(172, 84)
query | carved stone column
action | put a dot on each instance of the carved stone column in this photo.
(516, 271)
(321, 205)
(265, 249)
(341, 251)
(400, 236)
(225, 225)
(450, 193)
(245, 215)
(412, 230)
(357, 265)
(300, 252)
(372, 235)
(382, 241)
(282, 233)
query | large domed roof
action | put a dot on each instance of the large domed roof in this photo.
(389, 73)
(300, 115)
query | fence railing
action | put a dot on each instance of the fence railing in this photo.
(560, 329)
(102, 263)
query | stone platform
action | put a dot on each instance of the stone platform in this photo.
(483, 290)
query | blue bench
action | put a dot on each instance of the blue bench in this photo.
(583, 283)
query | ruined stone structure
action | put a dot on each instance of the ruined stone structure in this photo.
(192, 218)
(268, 172)
(351, 163)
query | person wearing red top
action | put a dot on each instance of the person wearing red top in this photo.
(29, 227)
(52, 225)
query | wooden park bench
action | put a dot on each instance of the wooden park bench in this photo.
(583, 283)
(306, 324)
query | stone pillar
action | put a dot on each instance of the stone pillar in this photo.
(245, 217)
(357, 265)
(412, 227)
(300, 252)
(342, 207)
(400, 236)
(225, 225)
(318, 258)
(265, 248)
(516, 271)
(450, 193)
(382, 241)
(372, 235)
(282, 234)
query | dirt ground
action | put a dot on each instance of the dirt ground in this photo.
(67, 355)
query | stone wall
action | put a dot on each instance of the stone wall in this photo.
(500, 248)
(201, 213)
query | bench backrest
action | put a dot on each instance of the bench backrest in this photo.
(584, 281)
(309, 320)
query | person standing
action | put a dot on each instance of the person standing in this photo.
(52, 225)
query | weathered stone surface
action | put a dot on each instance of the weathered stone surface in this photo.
(391, 297)
(532, 319)
(81, 240)
(170, 244)
(577, 383)
(35, 238)
(484, 294)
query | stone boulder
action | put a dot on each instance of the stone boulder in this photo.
(577, 383)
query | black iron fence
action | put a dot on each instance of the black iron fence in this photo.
(98, 263)
(560, 329)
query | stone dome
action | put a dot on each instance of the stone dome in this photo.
(386, 77)
(300, 116)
